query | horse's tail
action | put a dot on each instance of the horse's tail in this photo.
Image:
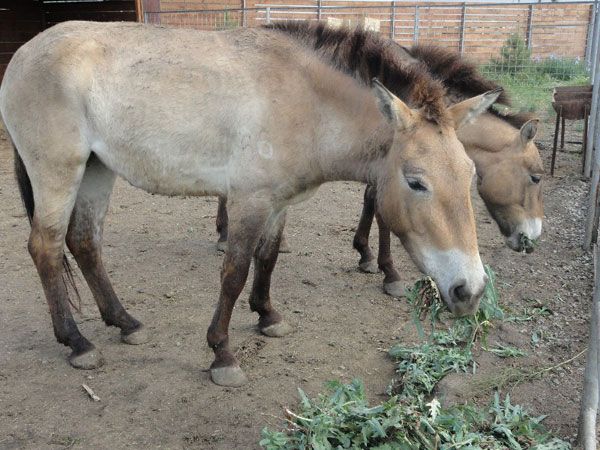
(26, 191)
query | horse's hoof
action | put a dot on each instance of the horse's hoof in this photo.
(369, 266)
(395, 288)
(222, 246)
(92, 359)
(136, 337)
(228, 376)
(278, 329)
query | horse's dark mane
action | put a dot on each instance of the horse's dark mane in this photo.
(461, 78)
(364, 55)
(517, 120)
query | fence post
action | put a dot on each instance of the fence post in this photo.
(586, 435)
(589, 39)
(463, 19)
(593, 126)
(595, 39)
(268, 15)
(416, 27)
(592, 160)
(318, 9)
(392, 19)
(529, 26)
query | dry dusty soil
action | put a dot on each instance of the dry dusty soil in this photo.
(161, 255)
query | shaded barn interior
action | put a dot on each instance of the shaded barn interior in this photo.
(20, 20)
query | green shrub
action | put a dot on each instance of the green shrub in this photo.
(514, 56)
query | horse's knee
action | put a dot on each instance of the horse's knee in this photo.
(45, 251)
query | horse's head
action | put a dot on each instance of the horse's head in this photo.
(424, 196)
(509, 177)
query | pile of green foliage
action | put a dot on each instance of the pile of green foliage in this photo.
(412, 418)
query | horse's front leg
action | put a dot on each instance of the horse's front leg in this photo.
(361, 237)
(270, 322)
(249, 217)
(391, 283)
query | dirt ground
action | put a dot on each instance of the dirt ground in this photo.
(161, 255)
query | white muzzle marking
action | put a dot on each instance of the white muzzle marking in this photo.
(530, 228)
(450, 268)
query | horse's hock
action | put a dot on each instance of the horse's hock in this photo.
(570, 103)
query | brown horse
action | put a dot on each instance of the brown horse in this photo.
(177, 111)
(508, 164)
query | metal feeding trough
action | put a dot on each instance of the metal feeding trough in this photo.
(570, 103)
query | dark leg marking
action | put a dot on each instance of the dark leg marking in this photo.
(46, 250)
(270, 322)
(244, 235)
(84, 239)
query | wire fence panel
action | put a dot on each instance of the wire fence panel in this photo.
(549, 42)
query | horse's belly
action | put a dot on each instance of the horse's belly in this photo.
(166, 172)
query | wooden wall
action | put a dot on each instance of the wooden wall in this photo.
(20, 20)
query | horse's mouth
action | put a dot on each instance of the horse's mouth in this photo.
(521, 243)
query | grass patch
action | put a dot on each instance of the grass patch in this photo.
(411, 419)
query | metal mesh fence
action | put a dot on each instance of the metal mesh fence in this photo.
(539, 45)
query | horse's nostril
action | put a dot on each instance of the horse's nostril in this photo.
(460, 291)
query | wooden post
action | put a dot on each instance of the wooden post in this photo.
(586, 435)
(139, 13)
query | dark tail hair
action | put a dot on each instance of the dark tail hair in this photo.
(26, 191)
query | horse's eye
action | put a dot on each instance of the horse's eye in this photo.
(416, 185)
(535, 179)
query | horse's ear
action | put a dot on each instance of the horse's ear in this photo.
(393, 109)
(529, 130)
(467, 110)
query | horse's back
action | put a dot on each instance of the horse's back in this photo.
(164, 108)
(178, 111)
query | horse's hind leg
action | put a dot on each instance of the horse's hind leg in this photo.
(270, 322)
(84, 239)
(361, 237)
(222, 224)
(54, 183)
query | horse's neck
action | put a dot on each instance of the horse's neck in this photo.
(350, 135)
(357, 152)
